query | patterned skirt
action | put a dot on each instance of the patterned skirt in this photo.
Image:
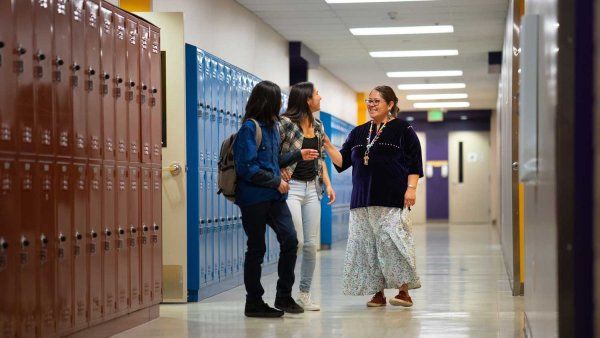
(380, 253)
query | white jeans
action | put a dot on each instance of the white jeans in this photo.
(305, 206)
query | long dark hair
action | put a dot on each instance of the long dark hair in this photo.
(264, 103)
(298, 108)
(387, 93)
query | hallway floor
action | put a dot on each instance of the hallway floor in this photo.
(465, 293)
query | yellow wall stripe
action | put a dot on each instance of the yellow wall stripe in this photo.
(361, 107)
(136, 5)
(522, 232)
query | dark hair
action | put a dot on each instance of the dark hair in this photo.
(264, 103)
(298, 108)
(387, 93)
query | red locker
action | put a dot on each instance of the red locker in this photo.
(61, 59)
(23, 69)
(42, 76)
(46, 253)
(146, 247)
(120, 86)
(77, 79)
(133, 208)
(156, 237)
(109, 260)
(155, 101)
(9, 246)
(28, 245)
(78, 237)
(133, 85)
(145, 90)
(107, 43)
(7, 78)
(64, 191)
(121, 243)
(92, 76)
(94, 224)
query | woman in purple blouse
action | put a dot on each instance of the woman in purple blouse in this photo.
(385, 156)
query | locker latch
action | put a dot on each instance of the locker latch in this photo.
(23, 257)
(3, 248)
(61, 251)
(93, 235)
(108, 234)
(77, 246)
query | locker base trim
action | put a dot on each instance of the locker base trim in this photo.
(120, 324)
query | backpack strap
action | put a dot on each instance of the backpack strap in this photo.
(258, 135)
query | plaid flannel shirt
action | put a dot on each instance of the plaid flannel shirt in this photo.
(292, 138)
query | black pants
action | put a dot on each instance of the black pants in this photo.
(255, 218)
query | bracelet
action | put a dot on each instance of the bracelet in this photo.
(412, 186)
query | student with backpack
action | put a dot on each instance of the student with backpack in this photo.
(261, 195)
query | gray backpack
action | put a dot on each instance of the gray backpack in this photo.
(227, 176)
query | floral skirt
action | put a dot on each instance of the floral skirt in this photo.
(380, 253)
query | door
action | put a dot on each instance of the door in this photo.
(419, 210)
(469, 173)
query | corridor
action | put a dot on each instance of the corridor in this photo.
(465, 293)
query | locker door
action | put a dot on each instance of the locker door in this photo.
(144, 90)
(92, 76)
(23, 68)
(42, 73)
(28, 246)
(61, 59)
(156, 237)
(64, 190)
(8, 83)
(155, 97)
(94, 254)
(134, 226)
(109, 253)
(201, 60)
(121, 244)
(106, 83)
(47, 250)
(120, 86)
(146, 246)
(132, 84)
(80, 265)
(77, 80)
(214, 113)
(207, 110)
(9, 247)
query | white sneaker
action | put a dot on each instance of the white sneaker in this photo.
(306, 303)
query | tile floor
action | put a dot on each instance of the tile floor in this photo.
(465, 293)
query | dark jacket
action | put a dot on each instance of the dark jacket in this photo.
(258, 168)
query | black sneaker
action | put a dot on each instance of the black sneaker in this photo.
(261, 310)
(288, 305)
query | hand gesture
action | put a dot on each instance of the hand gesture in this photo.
(285, 174)
(330, 195)
(309, 154)
(284, 187)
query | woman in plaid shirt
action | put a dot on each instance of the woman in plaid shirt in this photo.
(299, 129)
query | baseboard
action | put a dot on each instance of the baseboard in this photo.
(120, 324)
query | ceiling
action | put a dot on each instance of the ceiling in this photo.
(478, 29)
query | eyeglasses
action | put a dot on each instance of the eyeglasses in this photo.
(370, 102)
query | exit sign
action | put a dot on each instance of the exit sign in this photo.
(435, 116)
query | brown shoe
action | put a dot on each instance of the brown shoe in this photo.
(402, 299)
(377, 300)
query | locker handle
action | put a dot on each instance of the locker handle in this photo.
(78, 236)
(91, 71)
(93, 234)
(209, 221)
(208, 106)
(1, 44)
(3, 243)
(145, 228)
(229, 219)
(228, 113)
(131, 84)
(21, 50)
(40, 56)
(44, 239)
(133, 230)
(62, 238)
(121, 231)
(75, 67)
(154, 90)
(216, 220)
(223, 219)
(201, 221)
(156, 227)
(144, 87)
(24, 242)
(106, 76)
(221, 111)
(119, 80)
(108, 233)
(59, 61)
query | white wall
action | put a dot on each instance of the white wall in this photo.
(338, 99)
(174, 199)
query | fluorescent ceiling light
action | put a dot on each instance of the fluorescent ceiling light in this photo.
(365, 1)
(436, 97)
(435, 73)
(413, 53)
(426, 105)
(403, 30)
(425, 86)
